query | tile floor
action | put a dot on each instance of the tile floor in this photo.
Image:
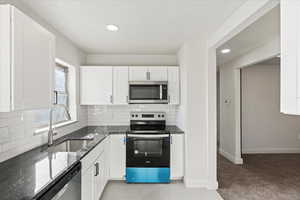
(117, 190)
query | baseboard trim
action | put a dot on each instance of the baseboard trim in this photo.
(271, 151)
(235, 160)
(211, 185)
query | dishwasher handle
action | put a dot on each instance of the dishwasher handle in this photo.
(60, 184)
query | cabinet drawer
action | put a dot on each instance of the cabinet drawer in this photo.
(90, 158)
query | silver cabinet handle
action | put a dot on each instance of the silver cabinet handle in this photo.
(171, 139)
(169, 99)
(127, 99)
(111, 99)
(97, 169)
(124, 140)
(148, 76)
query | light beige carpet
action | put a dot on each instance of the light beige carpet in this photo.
(262, 177)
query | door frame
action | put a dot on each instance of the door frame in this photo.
(248, 13)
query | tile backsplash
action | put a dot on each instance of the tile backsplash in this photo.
(17, 128)
(119, 115)
(17, 132)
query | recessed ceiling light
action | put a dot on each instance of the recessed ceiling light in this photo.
(225, 51)
(112, 27)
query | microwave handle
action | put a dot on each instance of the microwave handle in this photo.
(160, 92)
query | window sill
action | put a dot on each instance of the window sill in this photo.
(45, 129)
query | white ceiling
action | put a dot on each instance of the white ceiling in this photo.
(258, 33)
(146, 26)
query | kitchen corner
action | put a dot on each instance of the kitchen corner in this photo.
(30, 174)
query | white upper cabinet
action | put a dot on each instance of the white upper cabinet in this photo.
(120, 85)
(96, 85)
(158, 73)
(107, 85)
(138, 73)
(27, 62)
(174, 85)
(148, 73)
(290, 57)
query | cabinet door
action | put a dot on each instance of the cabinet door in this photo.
(138, 73)
(87, 184)
(96, 85)
(99, 177)
(117, 157)
(120, 90)
(158, 73)
(106, 159)
(5, 61)
(32, 63)
(290, 48)
(174, 85)
(177, 156)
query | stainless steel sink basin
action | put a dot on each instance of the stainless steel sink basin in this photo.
(70, 145)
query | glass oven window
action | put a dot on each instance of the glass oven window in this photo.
(144, 92)
(148, 147)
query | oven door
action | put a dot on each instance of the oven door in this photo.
(148, 92)
(148, 150)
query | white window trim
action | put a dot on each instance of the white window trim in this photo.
(72, 103)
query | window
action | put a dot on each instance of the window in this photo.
(61, 94)
(64, 93)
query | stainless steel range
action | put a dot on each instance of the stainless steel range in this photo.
(148, 148)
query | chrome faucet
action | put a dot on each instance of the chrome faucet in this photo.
(51, 132)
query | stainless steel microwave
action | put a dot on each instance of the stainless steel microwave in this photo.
(148, 92)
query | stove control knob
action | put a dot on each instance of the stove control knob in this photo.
(163, 116)
(132, 115)
(136, 115)
(158, 115)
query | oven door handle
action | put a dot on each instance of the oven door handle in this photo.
(149, 136)
(140, 123)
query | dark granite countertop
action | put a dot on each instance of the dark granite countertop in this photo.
(26, 176)
(122, 129)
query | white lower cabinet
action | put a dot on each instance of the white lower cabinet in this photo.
(95, 172)
(99, 181)
(107, 161)
(117, 157)
(177, 156)
(87, 184)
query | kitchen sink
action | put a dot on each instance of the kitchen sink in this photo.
(70, 145)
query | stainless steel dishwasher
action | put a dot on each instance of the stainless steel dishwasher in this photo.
(67, 188)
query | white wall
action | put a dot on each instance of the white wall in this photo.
(229, 114)
(193, 114)
(230, 135)
(264, 128)
(17, 128)
(130, 59)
